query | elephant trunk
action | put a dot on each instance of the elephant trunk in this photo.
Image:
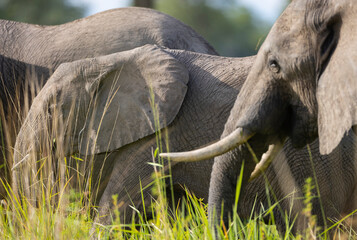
(225, 175)
(257, 113)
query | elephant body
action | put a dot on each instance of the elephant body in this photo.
(29, 48)
(30, 53)
(212, 86)
(213, 83)
(101, 34)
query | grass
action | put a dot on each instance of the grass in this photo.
(71, 219)
(59, 207)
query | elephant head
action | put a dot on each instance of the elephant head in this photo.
(97, 105)
(303, 84)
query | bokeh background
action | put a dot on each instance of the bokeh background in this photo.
(233, 27)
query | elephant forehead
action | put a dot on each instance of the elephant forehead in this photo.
(289, 37)
(292, 16)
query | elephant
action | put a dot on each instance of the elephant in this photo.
(30, 53)
(190, 89)
(99, 109)
(302, 85)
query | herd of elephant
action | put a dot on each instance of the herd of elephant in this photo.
(100, 77)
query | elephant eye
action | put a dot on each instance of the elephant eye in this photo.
(274, 66)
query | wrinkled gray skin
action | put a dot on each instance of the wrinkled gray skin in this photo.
(29, 53)
(336, 180)
(302, 84)
(212, 86)
(190, 89)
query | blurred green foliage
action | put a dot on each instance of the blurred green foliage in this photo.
(230, 28)
(47, 12)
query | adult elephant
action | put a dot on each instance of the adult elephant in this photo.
(117, 133)
(30, 53)
(100, 108)
(302, 84)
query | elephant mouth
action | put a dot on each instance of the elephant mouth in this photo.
(300, 127)
(282, 125)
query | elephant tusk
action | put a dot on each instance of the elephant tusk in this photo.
(266, 159)
(233, 140)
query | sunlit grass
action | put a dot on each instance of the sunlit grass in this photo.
(71, 219)
(61, 208)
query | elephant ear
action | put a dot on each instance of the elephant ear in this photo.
(139, 94)
(337, 87)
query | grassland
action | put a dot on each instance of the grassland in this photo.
(64, 212)
(71, 218)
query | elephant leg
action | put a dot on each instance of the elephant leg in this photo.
(194, 176)
(128, 173)
(351, 206)
(333, 177)
(131, 173)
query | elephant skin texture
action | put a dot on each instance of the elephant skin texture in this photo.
(189, 89)
(30, 53)
(302, 85)
(205, 87)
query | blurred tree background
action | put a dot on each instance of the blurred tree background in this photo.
(48, 12)
(231, 28)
